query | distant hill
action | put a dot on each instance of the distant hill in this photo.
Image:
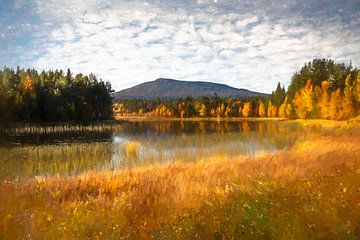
(169, 88)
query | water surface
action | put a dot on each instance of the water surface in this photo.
(47, 151)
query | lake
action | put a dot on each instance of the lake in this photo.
(68, 151)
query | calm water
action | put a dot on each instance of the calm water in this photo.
(28, 153)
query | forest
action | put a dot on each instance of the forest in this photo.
(320, 89)
(52, 96)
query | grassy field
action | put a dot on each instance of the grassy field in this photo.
(311, 191)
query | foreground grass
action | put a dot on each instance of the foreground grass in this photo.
(311, 191)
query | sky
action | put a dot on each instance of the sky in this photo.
(249, 44)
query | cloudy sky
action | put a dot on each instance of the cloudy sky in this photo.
(247, 44)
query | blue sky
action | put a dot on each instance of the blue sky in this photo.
(247, 44)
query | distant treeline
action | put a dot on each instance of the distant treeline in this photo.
(26, 95)
(321, 89)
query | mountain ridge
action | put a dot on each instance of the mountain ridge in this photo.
(172, 88)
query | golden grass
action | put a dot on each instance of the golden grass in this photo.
(351, 123)
(311, 191)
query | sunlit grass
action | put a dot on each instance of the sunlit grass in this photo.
(308, 192)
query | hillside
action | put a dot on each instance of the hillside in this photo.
(169, 88)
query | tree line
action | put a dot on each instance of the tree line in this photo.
(320, 89)
(30, 96)
(213, 106)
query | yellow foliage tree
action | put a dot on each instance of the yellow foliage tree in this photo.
(348, 107)
(335, 105)
(118, 109)
(357, 92)
(323, 102)
(202, 111)
(220, 110)
(247, 109)
(262, 111)
(228, 111)
(181, 108)
(213, 112)
(303, 101)
(285, 109)
(272, 110)
(27, 85)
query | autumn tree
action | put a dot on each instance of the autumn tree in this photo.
(228, 111)
(247, 109)
(181, 108)
(262, 111)
(335, 105)
(357, 92)
(220, 110)
(285, 109)
(303, 101)
(203, 111)
(272, 110)
(348, 108)
(323, 103)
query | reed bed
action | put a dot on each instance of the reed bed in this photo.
(311, 191)
(24, 162)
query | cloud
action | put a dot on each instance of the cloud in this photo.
(244, 44)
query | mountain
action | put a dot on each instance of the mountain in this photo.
(170, 88)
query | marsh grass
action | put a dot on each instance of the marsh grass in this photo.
(48, 160)
(310, 191)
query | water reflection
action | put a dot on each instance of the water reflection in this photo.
(130, 144)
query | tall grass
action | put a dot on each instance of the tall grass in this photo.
(48, 160)
(310, 191)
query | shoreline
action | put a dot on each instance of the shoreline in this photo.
(326, 123)
(195, 119)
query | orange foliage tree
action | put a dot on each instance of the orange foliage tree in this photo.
(303, 101)
(247, 109)
(262, 111)
(348, 107)
(272, 110)
(323, 103)
(335, 104)
(285, 109)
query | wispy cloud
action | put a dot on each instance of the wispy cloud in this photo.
(248, 44)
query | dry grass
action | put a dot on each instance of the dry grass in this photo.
(311, 191)
(345, 124)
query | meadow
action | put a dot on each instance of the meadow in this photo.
(308, 191)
